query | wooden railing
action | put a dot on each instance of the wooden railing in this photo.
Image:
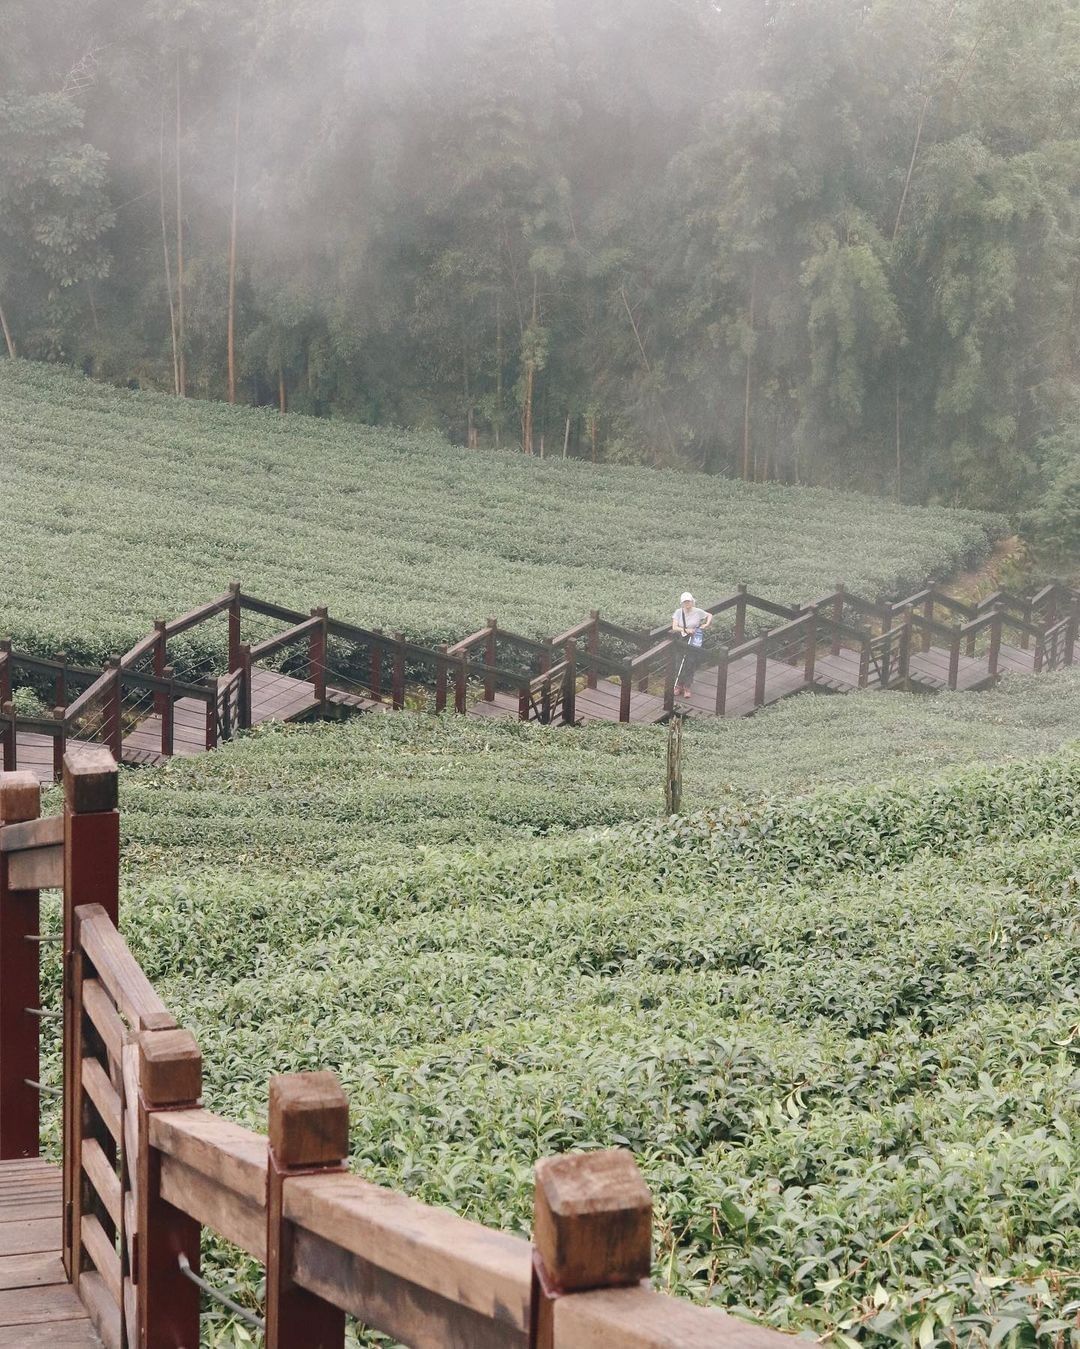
(146, 1168)
(344, 666)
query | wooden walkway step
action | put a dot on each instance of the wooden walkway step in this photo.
(38, 1307)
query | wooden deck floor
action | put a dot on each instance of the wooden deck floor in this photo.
(38, 1307)
(283, 698)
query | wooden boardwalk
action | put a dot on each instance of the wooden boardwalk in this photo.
(596, 671)
(38, 1307)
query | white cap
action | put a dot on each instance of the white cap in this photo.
(686, 596)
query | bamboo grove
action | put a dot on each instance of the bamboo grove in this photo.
(832, 243)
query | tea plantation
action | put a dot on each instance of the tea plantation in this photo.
(841, 1031)
(118, 507)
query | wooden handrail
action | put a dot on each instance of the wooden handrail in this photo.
(295, 634)
(196, 616)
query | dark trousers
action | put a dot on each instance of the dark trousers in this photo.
(688, 661)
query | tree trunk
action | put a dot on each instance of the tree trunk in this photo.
(527, 410)
(749, 379)
(180, 333)
(232, 253)
(649, 372)
(168, 261)
(566, 438)
(898, 430)
(530, 378)
(282, 391)
(8, 339)
(498, 371)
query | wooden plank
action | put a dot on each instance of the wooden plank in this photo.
(26, 1209)
(102, 1177)
(104, 1313)
(58, 1302)
(99, 1007)
(32, 834)
(637, 1318)
(36, 1270)
(65, 1335)
(233, 1158)
(407, 1312)
(39, 1234)
(104, 1095)
(222, 1211)
(103, 1253)
(38, 869)
(118, 970)
(471, 1266)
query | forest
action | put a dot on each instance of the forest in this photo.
(832, 243)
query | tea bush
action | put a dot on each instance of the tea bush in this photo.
(840, 1032)
(118, 507)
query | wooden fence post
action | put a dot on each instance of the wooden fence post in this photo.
(838, 617)
(461, 687)
(5, 671)
(20, 800)
(740, 616)
(376, 665)
(244, 697)
(811, 648)
(569, 706)
(440, 679)
(592, 1229)
(59, 743)
(1070, 635)
(491, 659)
(398, 691)
(626, 690)
(995, 640)
(115, 704)
(8, 733)
(60, 682)
(721, 681)
(954, 656)
(167, 713)
(309, 1133)
(317, 657)
(235, 613)
(161, 663)
(905, 650)
(167, 1303)
(91, 876)
(670, 669)
(761, 672)
(593, 647)
(210, 733)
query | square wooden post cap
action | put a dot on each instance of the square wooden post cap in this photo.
(309, 1120)
(20, 798)
(593, 1220)
(170, 1068)
(91, 781)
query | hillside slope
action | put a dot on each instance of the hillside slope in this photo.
(118, 507)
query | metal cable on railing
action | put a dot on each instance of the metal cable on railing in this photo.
(216, 1295)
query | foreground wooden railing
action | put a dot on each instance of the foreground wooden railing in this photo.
(146, 1168)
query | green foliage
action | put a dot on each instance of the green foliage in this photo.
(390, 529)
(839, 236)
(838, 1032)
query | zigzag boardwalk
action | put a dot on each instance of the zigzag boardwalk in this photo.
(315, 666)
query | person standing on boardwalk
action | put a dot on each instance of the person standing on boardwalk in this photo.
(690, 623)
